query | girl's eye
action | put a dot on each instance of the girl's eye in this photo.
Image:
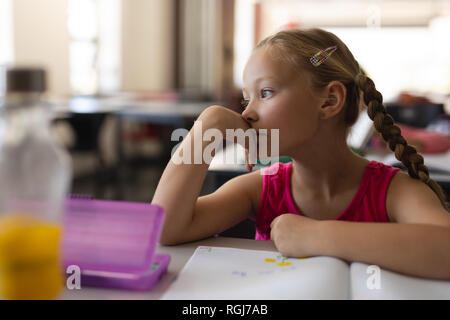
(263, 92)
(244, 104)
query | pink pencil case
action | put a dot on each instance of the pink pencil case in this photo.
(113, 242)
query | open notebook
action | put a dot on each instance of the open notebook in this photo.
(232, 274)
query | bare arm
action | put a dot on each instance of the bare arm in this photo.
(418, 244)
(189, 217)
(177, 192)
(414, 249)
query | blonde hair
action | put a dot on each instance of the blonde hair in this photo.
(297, 46)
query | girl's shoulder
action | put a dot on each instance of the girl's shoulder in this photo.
(410, 200)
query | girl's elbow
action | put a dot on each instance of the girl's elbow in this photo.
(167, 239)
(442, 271)
(443, 275)
(165, 242)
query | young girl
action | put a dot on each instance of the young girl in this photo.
(328, 200)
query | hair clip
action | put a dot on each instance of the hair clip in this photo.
(322, 55)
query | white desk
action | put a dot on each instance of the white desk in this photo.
(180, 255)
(400, 285)
(147, 111)
(438, 164)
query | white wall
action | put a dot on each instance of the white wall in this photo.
(147, 44)
(6, 50)
(244, 24)
(41, 38)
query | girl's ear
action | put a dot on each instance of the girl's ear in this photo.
(335, 92)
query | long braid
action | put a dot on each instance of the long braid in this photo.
(391, 133)
(296, 47)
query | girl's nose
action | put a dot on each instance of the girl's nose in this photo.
(250, 115)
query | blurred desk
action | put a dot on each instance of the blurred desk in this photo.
(222, 170)
(149, 111)
(176, 113)
(438, 164)
(86, 116)
(162, 111)
(180, 254)
(87, 105)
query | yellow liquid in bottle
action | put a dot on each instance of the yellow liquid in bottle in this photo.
(29, 258)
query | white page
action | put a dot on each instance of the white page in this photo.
(228, 273)
(394, 286)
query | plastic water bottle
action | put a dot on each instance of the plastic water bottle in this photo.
(35, 176)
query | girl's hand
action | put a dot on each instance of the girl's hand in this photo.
(222, 118)
(295, 235)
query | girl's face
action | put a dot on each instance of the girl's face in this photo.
(278, 97)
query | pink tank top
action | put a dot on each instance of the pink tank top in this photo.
(368, 204)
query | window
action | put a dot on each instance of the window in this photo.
(420, 61)
(6, 43)
(400, 49)
(94, 29)
(244, 36)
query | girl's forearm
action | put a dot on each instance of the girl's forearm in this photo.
(413, 249)
(178, 189)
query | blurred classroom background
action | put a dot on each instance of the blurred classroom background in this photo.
(124, 74)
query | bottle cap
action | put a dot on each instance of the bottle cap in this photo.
(24, 79)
